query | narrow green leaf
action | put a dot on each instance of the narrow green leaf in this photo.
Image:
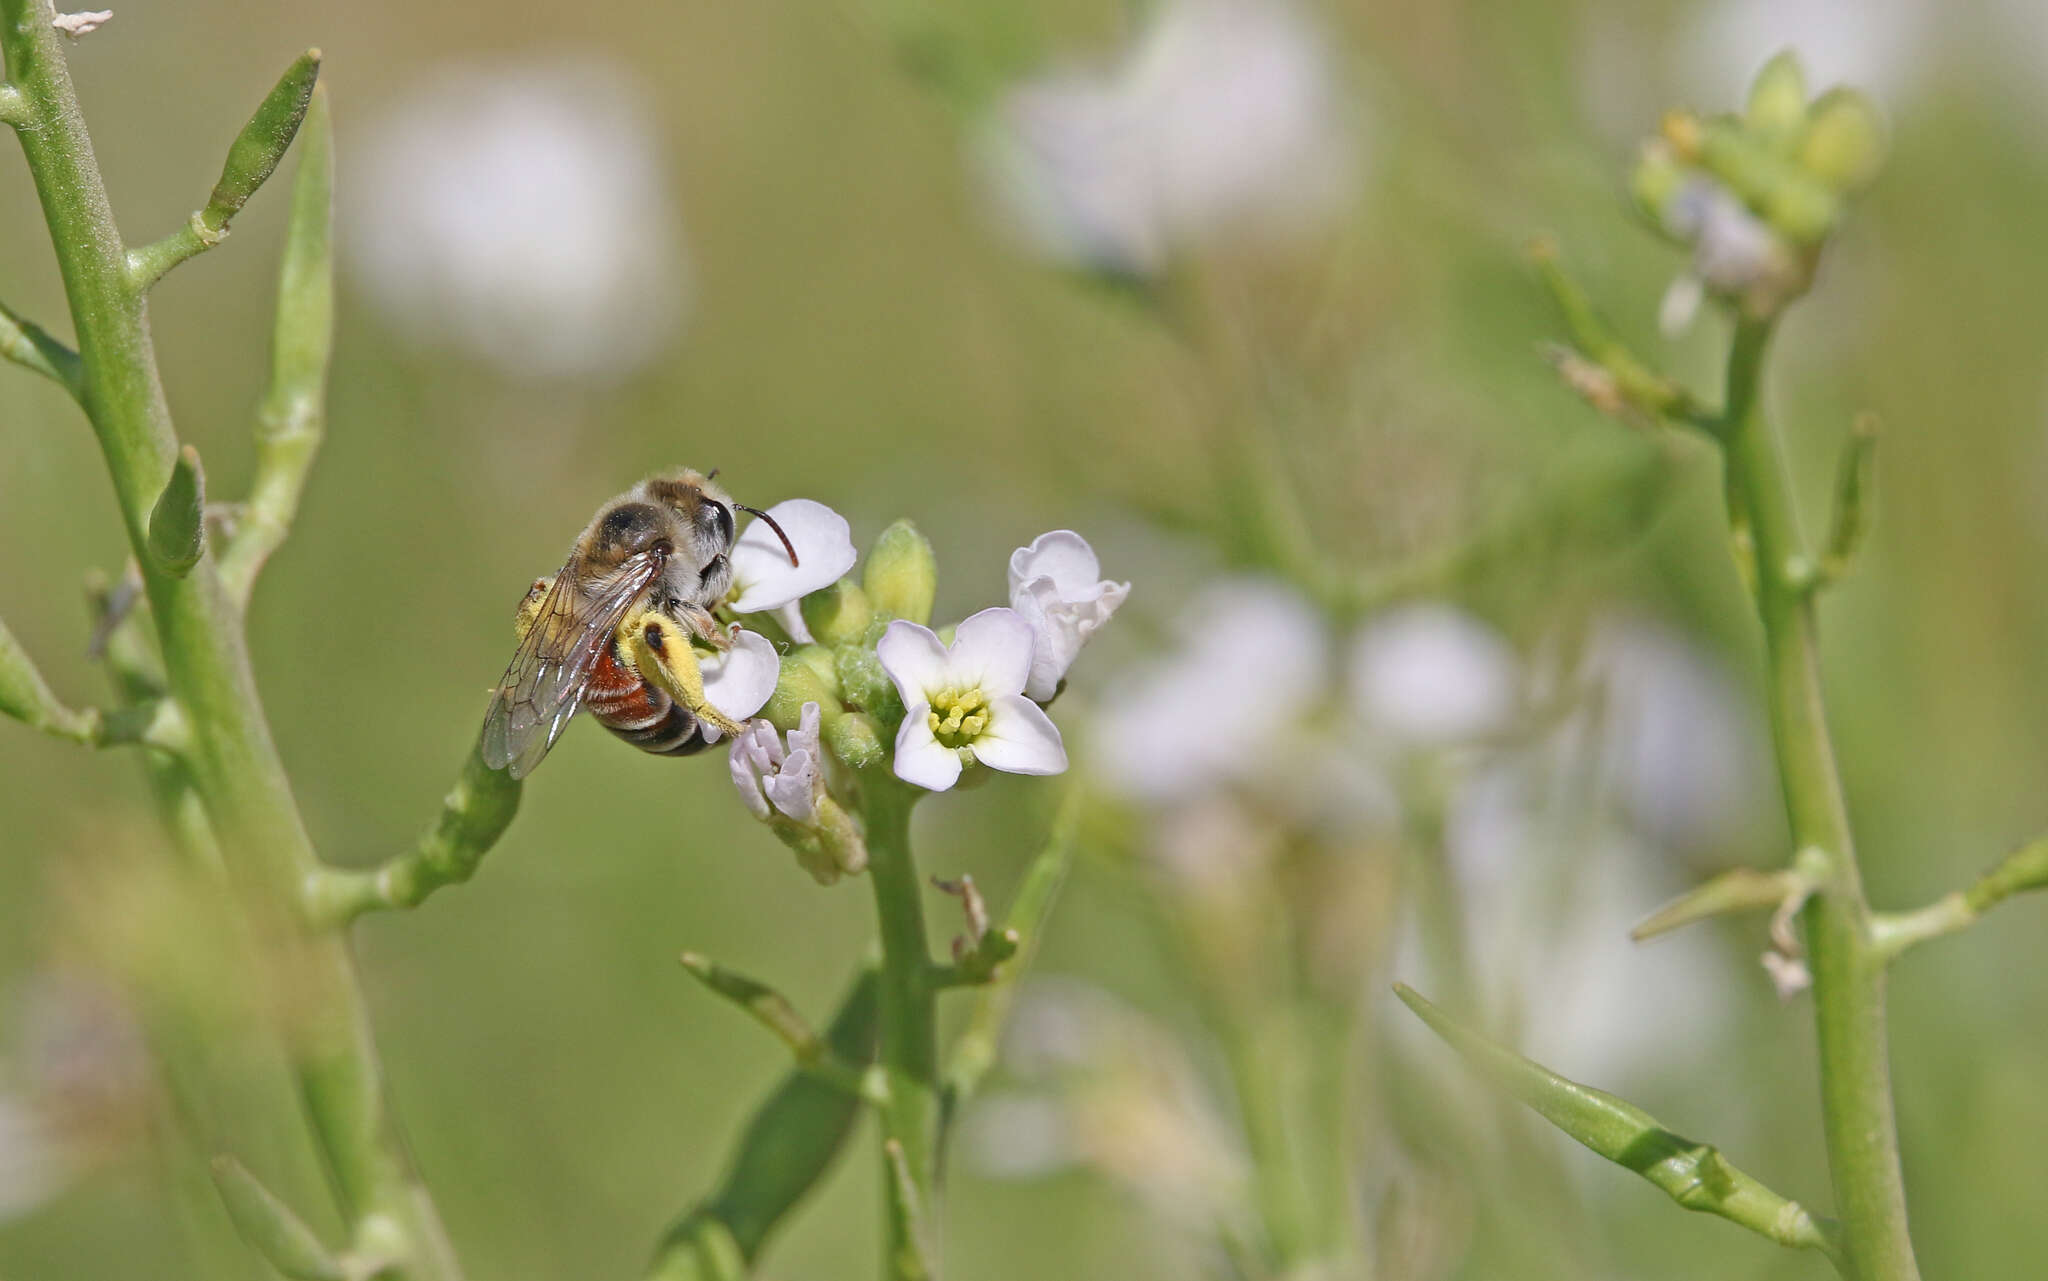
(783, 1152)
(262, 142)
(1739, 889)
(177, 524)
(268, 1226)
(1693, 1174)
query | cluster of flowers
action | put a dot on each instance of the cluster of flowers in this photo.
(865, 679)
(1755, 194)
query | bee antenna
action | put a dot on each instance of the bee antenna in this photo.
(713, 473)
(770, 521)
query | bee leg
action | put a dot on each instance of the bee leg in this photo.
(529, 607)
(661, 653)
(704, 627)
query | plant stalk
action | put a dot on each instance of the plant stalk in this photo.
(231, 759)
(909, 1051)
(1848, 969)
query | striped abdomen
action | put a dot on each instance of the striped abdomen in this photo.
(638, 712)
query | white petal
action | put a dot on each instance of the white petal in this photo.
(1020, 738)
(740, 680)
(1061, 626)
(1063, 556)
(914, 659)
(760, 564)
(746, 772)
(991, 652)
(1432, 675)
(921, 759)
(1225, 704)
(804, 738)
(791, 616)
(794, 790)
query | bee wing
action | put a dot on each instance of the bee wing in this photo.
(544, 685)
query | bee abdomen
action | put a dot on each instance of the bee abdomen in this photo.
(656, 723)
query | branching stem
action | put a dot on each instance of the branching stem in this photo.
(1848, 968)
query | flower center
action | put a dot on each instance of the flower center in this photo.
(958, 717)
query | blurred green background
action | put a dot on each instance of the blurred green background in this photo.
(857, 329)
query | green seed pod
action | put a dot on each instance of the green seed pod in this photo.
(839, 614)
(902, 574)
(1776, 109)
(1844, 144)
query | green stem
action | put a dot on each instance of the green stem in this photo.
(909, 1023)
(1848, 970)
(232, 761)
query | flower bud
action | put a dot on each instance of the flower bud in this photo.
(855, 739)
(865, 684)
(1802, 210)
(902, 574)
(1844, 143)
(819, 659)
(1777, 102)
(800, 683)
(1656, 183)
(839, 614)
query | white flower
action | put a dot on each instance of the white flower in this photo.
(967, 698)
(774, 780)
(33, 1165)
(522, 214)
(1223, 119)
(1056, 586)
(1431, 675)
(738, 681)
(763, 577)
(1222, 707)
(1734, 253)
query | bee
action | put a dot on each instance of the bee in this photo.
(653, 559)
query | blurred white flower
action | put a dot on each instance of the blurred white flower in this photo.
(1431, 675)
(522, 214)
(764, 578)
(1876, 45)
(1677, 740)
(1098, 1085)
(967, 698)
(1254, 663)
(1224, 119)
(773, 779)
(32, 1165)
(1734, 253)
(1056, 586)
(739, 680)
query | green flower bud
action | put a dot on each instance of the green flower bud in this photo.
(1802, 210)
(864, 683)
(855, 739)
(902, 574)
(1844, 144)
(819, 659)
(1656, 182)
(839, 614)
(1776, 109)
(798, 684)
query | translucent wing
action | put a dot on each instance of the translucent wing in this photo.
(544, 685)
